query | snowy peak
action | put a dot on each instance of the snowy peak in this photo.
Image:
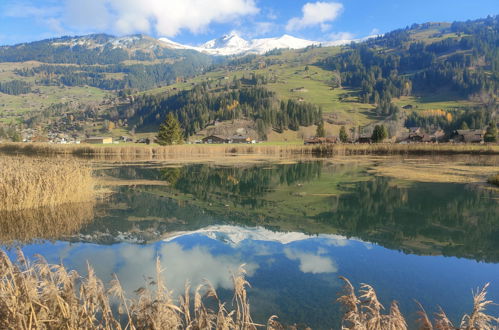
(229, 41)
(233, 44)
(235, 235)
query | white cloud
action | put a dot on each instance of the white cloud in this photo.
(167, 18)
(318, 13)
(341, 36)
(133, 263)
(311, 263)
(164, 17)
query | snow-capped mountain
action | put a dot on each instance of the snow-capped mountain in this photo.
(233, 44)
(234, 235)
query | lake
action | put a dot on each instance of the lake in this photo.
(414, 229)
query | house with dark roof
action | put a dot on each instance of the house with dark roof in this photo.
(468, 135)
(215, 139)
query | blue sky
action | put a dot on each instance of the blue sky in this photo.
(196, 21)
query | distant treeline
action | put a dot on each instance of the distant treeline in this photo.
(202, 106)
(136, 76)
(393, 65)
(58, 51)
(15, 87)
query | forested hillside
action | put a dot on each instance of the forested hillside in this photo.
(462, 57)
(206, 103)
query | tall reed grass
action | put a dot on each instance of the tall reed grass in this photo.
(27, 183)
(365, 312)
(154, 152)
(43, 296)
(38, 295)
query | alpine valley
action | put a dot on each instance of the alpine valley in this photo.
(436, 76)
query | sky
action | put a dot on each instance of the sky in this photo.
(196, 21)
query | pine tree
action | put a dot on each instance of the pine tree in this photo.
(379, 134)
(170, 131)
(491, 134)
(343, 134)
(321, 131)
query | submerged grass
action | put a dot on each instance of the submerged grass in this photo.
(38, 295)
(157, 152)
(27, 183)
(494, 180)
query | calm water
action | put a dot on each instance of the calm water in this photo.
(297, 227)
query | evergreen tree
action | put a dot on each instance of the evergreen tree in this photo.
(491, 134)
(321, 131)
(170, 131)
(379, 133)
(343, 134)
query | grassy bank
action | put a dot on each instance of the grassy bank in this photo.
(157, 152)
(37, 295)
(27, 183)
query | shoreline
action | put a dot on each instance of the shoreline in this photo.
(328, 150)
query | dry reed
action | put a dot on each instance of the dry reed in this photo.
(43, 296)
(38, 295)
(27, 183)
(364, 312)
(156, 152)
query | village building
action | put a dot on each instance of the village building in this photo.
(321, 140)
(99, 140)
(241, 139)
(215, 139)
(364, 139)
(468, 136)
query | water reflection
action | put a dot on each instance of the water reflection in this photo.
(49, 223)
(293, 275)
(310, 197)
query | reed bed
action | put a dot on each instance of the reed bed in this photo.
(38, 295)
(165, 152)
(27, 183)
(46, 223)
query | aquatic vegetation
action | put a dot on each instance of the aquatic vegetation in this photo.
(39, 295)
(494, 180)
(27, 183)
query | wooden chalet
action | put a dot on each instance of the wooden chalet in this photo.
(215, 139)
(468, 135)
(99, 140)
(364, 139)
(321, 140)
